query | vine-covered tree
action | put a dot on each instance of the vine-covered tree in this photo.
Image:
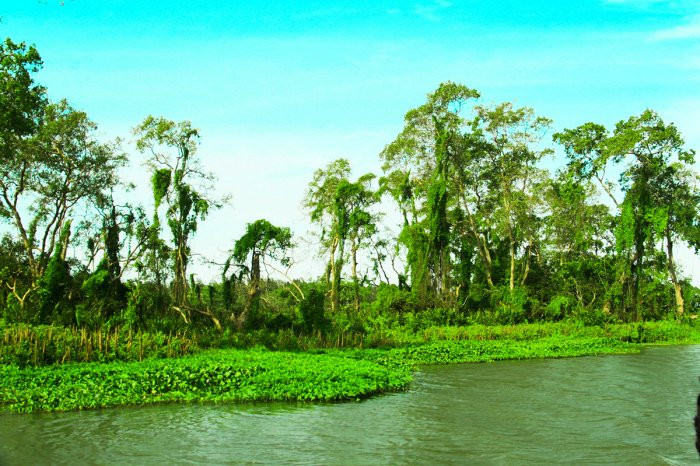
(419, 165)
(52, 166)
(659, 203)
(260, 240)
(321, 202)
(179, 181)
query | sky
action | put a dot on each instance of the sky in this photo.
(279, 89)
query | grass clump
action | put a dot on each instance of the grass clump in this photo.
(38, 345)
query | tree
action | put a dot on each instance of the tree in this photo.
(578, 239)
(660, 203)
(676, 189)
(49, 175)
(21, 99)
(651, 183)
(120, 239)
(320, 200)
(342, 208)
(418, 168)
(508, 139)
(261, 239)
(50, 165)
(355, 222)
(179, 181)
(54, 285)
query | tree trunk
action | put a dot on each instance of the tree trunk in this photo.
(512, 264)
(180, 284)
(331, 262)
(355, 280)
(527, 264)
(445, 273)
(252, 301)
(487, 262)
(483, 248)
(380, 266)
(680, 303)
(336, 265)
(511, 240)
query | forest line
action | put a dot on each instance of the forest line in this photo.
(487, 235)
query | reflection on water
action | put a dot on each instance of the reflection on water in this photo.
(631, 409)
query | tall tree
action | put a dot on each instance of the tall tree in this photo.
(355, 222)
(676, 189)
(320, 201)
(659, 203)
(508, 139)
(21, 99)
(53, 172)
(419, 165)
(179, 180)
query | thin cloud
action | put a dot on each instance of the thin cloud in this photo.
(634, 2)
(675, 4)
(430, 11)
(685, 31)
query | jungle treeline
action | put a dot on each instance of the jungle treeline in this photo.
(486, 233)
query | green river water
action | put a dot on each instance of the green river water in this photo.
(626, 409)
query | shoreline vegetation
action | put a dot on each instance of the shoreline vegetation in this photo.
(297, 372)
(493, 257)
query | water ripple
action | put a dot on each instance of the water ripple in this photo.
(631, 409)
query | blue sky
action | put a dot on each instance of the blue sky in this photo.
(279, 89)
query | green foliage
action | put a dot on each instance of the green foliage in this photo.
(21, 99)
(486, 235)
(225, 375)
(559, 307)
(510, 306)
(263, 238)
(147, 303)
(160, 183)
(54, 286)
(24, 345)
(450, 352)
(103, 297)
(311, 309)
(393, 300)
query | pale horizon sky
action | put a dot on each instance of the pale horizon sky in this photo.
(279, 89)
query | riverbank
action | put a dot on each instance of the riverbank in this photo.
(262, 375)
(31, 345)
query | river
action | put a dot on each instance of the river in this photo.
(623, 409)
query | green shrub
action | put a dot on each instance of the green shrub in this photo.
(311, 309)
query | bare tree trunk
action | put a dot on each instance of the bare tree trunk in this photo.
(527, 263)
(335, 277)
(680, 303)
(445, 273)
(355, 280)
(253, 292)
(512, 264)
(381, 266)
(483, 248)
